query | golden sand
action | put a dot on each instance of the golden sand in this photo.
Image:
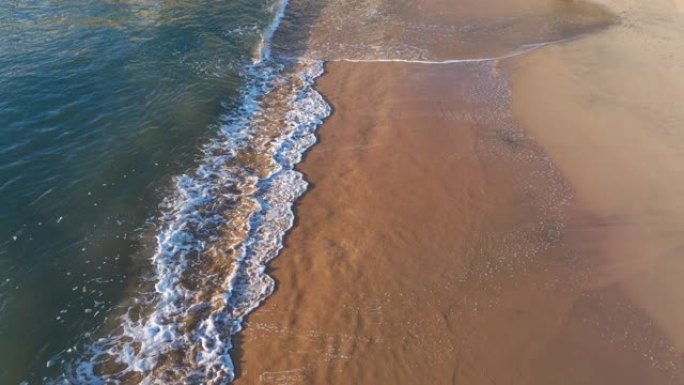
(503, 222)
(608, 110)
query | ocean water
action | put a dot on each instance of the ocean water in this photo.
(146, 171)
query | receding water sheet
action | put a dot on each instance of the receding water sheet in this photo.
(431, 30)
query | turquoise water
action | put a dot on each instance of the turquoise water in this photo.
(102, 103)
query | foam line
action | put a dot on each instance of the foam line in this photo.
(518, 52)
(218, 228)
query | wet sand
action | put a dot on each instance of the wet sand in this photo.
(503, 222)
(608, 110)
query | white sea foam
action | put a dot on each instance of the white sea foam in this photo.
(195, 217)
(219, 227)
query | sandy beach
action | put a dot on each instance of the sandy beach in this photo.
(611, 120)
(513, 221)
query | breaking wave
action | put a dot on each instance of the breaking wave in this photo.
(219, 227)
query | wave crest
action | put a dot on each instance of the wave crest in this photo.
(219, 228)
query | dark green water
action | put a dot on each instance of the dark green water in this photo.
(101, 103)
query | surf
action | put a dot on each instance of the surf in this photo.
(218, 228)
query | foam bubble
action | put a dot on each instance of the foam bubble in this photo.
(219, 228)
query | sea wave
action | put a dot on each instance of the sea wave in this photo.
(219, 227)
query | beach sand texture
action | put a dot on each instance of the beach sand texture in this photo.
(513, 221)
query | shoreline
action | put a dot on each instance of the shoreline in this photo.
(509, 292)
(288, 340)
